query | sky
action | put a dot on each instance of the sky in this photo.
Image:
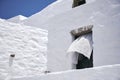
(11, 8)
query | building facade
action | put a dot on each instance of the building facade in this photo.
(61, 17)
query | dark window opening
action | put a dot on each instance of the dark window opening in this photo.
(83, 61)
(78, 3)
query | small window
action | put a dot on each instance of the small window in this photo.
(78, 3)
(81, 47)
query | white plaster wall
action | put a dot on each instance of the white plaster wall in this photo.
(103, 14)
(29, 44)
(17, 19)
(57, 7)
(98, 73)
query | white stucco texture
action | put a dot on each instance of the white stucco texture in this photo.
(29, 44)
(60, 18)
(17, 19)
(110, 72)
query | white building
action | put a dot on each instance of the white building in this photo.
(62, 17)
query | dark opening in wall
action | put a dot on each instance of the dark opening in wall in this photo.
(83, 61)
(81, 37)
(78, 3)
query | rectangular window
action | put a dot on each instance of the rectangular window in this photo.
(78, 3)
(82, 47)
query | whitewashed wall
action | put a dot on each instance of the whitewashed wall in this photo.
(57, 7)
(103, 14)
(29, 44)
(98, 73)
(17, 19)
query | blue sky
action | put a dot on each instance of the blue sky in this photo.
(11, 8)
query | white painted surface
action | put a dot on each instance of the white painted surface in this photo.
(17, 19)
(54, 9)
(111, 72)
(59, 19)
(50, 11)
(29, 44)
(103, 14)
